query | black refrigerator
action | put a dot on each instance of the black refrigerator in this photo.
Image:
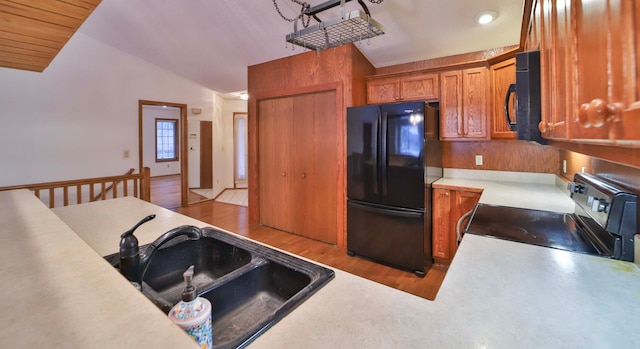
(393, 157)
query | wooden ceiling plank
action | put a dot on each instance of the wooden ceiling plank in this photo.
(21, 58)
(59, 7)
(35, 28)
(21, 66)
(26, 52)
(30, 40)
(9, 44)
(40, 15)
(32, 32)
(88, 4)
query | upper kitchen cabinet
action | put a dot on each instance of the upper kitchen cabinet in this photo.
(589, 65)
(555, 69)
(503, 74)
(607, 92)
(464, 104)
(420, 87)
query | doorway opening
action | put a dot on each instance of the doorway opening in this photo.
(145, 112)
(240, 149)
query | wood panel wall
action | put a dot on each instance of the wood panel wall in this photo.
(342, 69)
(508, 155)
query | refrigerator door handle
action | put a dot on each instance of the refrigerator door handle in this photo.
(383, 153)
(376, 158)
(389, 211)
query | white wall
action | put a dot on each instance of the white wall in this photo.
(78, 117)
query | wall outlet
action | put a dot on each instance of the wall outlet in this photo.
(478, 160)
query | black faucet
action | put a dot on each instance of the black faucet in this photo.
(133, 264)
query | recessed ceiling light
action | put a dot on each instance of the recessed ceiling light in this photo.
(486, 17)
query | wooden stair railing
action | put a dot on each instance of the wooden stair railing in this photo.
(102, 194)
(140, 183)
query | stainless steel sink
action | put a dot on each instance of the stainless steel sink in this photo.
(250, 286)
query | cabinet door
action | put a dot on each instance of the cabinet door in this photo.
(315, 166)
(464, 201)
(629, 29)
(451, 105)
(503, 74)
(441, 233)
(275, 144)
(475, 102)
(385, 90)
(606, 70)
(419, 87)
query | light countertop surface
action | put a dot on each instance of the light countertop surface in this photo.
(497, 294)
(539, 191)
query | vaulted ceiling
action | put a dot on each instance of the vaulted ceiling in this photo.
(212, 42)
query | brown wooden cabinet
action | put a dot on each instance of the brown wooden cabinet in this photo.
(415, 87)
(503, 74)
(464, 104)
(298, 167)
(589, 71)
(448, 207)
(556, 74)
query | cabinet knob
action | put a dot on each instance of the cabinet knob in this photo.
(304, 175)
(543, 127)
(284, 174)
(597, 113)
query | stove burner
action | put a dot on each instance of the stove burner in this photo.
(604, 222)
(541, 228)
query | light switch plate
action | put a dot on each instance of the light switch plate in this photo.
(478, 160)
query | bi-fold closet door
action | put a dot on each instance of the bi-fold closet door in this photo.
(298, 164)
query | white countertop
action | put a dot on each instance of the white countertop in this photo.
(59, 293)
(515, 189)
(497, 294)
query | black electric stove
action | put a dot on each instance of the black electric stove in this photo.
(604, 222)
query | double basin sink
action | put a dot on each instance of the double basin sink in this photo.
(250, 286)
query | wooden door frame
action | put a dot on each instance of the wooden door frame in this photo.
(184, 163)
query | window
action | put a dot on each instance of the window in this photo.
(166, 140)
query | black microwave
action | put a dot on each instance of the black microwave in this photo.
(527, 90)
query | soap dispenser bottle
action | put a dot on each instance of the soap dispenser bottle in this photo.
(193, 314)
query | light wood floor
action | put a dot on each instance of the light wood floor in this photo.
(235, 218)
(165, 192)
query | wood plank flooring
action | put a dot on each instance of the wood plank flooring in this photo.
(165, 192)
(234, 218)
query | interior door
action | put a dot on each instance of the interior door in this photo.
(206, 154)
(315, 165)
(275, 165)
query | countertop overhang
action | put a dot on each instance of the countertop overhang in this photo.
(497, 294)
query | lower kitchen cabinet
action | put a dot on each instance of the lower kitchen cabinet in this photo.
(448, 207)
